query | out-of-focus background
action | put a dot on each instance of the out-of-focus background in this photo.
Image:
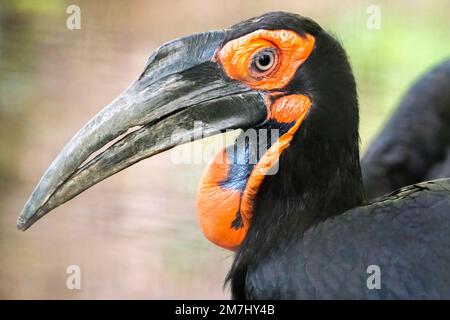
(135, 235)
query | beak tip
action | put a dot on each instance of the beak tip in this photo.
(21, 224)
(24, 221)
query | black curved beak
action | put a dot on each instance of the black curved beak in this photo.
(181, 85)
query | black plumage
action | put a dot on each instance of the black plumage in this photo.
(414, 145)
(313, 233)
(406, 235)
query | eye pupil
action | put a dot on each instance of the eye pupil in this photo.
(264, 61)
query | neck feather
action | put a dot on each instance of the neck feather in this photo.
(319, 174)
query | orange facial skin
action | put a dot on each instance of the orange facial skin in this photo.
(291, 50)
(297, 106)
(219, 207)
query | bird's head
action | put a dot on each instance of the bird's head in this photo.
(279, 71)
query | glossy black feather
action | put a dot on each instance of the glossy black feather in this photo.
(415, 144)
(406, 235)
(313, 233)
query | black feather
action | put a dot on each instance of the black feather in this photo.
(415, 144)
(313, 234)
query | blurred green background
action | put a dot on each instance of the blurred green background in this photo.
(135, 235)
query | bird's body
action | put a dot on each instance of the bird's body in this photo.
(414, 145)
(405, 235)
(304, 231)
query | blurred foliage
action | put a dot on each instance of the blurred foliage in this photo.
(387, 61)
(36, 7)
(19, 59)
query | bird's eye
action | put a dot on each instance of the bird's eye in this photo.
(264, 60)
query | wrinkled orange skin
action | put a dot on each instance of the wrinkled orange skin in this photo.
(298, 105)
(217, 207)
(291, 51)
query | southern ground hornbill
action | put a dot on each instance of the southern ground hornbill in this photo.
(304, 230)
